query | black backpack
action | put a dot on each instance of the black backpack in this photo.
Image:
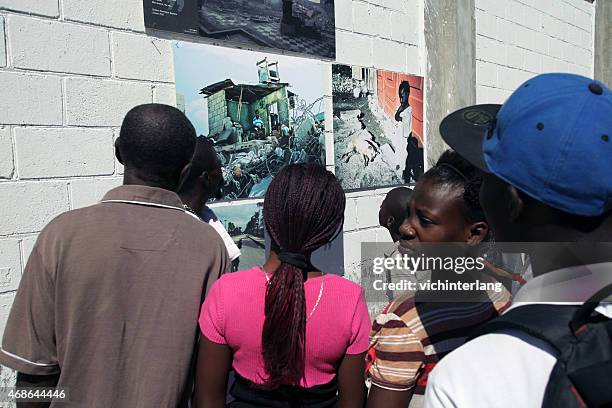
(582, 376)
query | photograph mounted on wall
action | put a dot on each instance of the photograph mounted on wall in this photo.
(260, 111)
(297, 26)
(244, 223)
(378, 127)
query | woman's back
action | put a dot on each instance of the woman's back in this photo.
(233, 314)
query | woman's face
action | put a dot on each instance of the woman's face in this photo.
(436, 214)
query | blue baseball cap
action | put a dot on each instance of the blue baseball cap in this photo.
(552, 139)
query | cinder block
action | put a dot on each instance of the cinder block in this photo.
(85, 192)
(350, 215)
(389, 55)
(485, 24)
(45, 45)
(27, 244)
(396, 5)
(515, 57)
(353, 49)
(6, 153)
(38, 202)
(482, 94)
(404, 27)
(533, 62)
(142, 57)
(48, 8)
(10, 265)
(343, 10)
(367, 210)
(364, 15)
(30, 99)
(490, 50)
(165, 94)
(110, 13)
(68, 152)
(498, 8)
(486, 74)
(96, 102)
(413, 59)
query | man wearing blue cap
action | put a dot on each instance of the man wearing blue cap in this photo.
(547, 156)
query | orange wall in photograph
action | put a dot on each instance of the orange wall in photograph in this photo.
(388, 95)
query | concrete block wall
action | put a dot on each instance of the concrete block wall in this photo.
(517, 39)
(217, 111)
(70, 70)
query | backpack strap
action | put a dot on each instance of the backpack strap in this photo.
(549, 323)
(584, 312)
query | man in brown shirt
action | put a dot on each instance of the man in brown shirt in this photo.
(109, 300)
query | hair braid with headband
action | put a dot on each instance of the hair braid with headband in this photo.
(303, 210)
(455, 170)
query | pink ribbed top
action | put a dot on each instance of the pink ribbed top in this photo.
(233, 314)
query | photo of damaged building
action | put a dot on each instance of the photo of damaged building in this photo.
(378, 127)
(258, 128)
(301, 26)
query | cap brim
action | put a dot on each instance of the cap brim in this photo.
(465, 129)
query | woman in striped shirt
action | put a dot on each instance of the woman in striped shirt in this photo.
(415, 331)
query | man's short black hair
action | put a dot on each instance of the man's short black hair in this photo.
(204, 159)
(158, 141)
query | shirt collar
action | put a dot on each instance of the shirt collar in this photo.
(144, 194)
(573, 285)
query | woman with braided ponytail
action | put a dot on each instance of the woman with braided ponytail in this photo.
(419, 328)
(295, 336)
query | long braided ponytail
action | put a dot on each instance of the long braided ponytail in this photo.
(303, 210)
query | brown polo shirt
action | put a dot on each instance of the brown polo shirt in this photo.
(110, 298)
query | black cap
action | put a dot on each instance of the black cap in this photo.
(465, 129)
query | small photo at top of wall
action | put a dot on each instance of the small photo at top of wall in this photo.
(378, 127)
(297, 26)
(260, 111)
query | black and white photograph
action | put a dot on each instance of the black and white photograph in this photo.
(378, 127)
(297, 26)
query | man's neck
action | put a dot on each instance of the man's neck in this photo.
(192, 201)
(132, 178)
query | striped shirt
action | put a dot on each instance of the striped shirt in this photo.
(410, 337)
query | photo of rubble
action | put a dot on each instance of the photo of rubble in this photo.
(298, 26)
(262, 112)
(245, 225)
(378, 127)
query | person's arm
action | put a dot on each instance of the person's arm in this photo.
(214, 355)
(28, 344)
(380, 397)
(214, 363)
(351, 386)
(351, 372)
(397, 360)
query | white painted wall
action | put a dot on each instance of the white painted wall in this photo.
(517, 39)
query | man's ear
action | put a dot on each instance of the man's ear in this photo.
(117, 152)
(516, 204)
(476, 232)
(183, 177)
(390, 221)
